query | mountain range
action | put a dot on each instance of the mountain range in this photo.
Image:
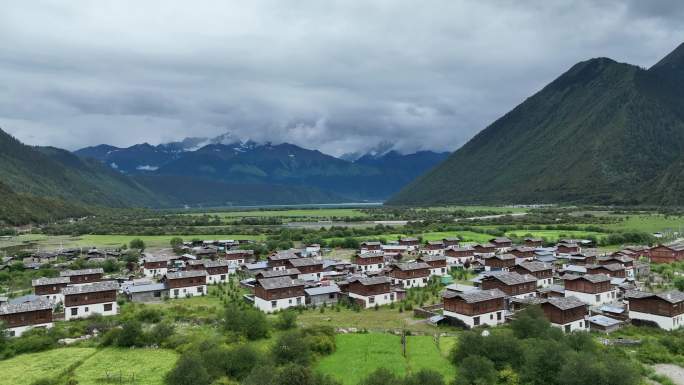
(40, 184)
(603, 132)
(369, 177)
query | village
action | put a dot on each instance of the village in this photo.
(578, 287)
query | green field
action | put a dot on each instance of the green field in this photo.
(109, 241)
(357, 355)
(292, 213)
(554, 235)
(498, 209)
(382, 319)
(466, 236)
(27, 368)
(145, 366)
(649, 223)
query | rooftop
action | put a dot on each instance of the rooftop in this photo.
(322, 290)
(186, 274)
(279, 273)
(302, 262)
(593, 278)
(535, 266)
(49, 281)
(512, 278)
(91, 288)
(475, 295)
(412, 266)
(565, 303)
(279, 283)
(39, 304)
(366, 281)
(69, 273)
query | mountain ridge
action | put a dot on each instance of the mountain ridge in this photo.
(602, 132)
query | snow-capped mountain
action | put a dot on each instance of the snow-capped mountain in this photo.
(370, 176)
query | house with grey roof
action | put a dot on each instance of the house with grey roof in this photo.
(20, 317)
(663, 309)
(475, 307)
(318, 296)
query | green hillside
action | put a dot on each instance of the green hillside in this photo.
(603, 132)
(54, 173)
(18, 209)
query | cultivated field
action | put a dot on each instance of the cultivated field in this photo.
(126, 366)
(27, 368)
(357, 355)
(290, 213)
(111, 241)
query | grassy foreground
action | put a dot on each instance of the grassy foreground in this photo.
(90, 366)
(137, 366)
(27, 368)
(358, 355)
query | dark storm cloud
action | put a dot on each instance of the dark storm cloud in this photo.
(340, 76)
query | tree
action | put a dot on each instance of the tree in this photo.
(176, 242)
(424, 377)
(530, 323)
(287, 320)
(130, 335)
(543, 361)
(189, 370)
(250, 323)
(679, 283)
(291, 347)
(381, 376)
(137, 243)
(476, 370)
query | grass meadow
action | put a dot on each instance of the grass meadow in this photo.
(291, 213)
(357, 355)
(131, 366)
(27, 368)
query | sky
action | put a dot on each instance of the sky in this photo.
(338, 76)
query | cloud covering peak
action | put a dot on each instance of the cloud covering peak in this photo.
(338, 76)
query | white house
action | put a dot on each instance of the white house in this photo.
(593, 289)
(410, 275)
(567, 313)
(20, 317)
(370, 291)
(183, 284)
(664, 309)
(476, 308)
(50, 288)
(369, 262)
(94, 298)
(273, 294)
(155, 265)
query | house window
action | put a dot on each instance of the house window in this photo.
(491, 316)
(290, 301)
(598, 297)
(299, 300)
(87, 309)
(274, 303)
(11, 333)
(200, 289)
(223, 277)
(331, 296)
(498, 316)
(157, 294)
(371, 299)
(175, 292)
(567, 328)
(476, 321)
(108, 307)
(74, 310)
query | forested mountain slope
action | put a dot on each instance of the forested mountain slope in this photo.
(603, 132)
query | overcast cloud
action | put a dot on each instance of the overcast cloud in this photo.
(339, 76)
